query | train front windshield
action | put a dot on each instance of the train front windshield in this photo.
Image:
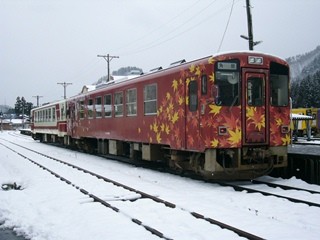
(226, 90)
(227, 78)
(279, 81)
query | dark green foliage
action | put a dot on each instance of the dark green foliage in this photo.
(22, 106)
(305, 79)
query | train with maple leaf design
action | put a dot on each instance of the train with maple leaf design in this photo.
(225, 116)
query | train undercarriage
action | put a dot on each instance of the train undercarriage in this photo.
(219, 164)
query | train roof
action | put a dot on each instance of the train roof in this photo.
(49, 104)
(89, 89)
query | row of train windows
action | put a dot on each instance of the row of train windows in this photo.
(49, 115)
(96, 108)
(45, 115)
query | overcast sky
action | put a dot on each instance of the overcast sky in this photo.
(45, 42)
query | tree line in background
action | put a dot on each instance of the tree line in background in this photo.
(305, 93)
(20, 107)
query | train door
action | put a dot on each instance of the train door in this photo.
(192, 115)
(255, 105)
(71, 119)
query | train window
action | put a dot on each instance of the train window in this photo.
(227, 78)
(193, 96)
(118, 104)
(81, 109)
(255, 91)
(279, 83)
(53, 114)
(150, 99)
(98, 107)
(204, 84)
(90, 108)
(131, 102)
(63, 111)
(107, 105)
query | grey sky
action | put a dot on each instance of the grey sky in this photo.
(43, 42)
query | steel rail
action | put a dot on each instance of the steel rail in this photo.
(240, 232)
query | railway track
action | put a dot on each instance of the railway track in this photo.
(285, 187)
(62, 170)
(253, 187)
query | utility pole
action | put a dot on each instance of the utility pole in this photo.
(250, 32)
(37, 99)
(249, 18)
(108, 58)
(64, 84)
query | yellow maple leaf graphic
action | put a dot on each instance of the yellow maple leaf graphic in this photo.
(192, 68)
(168, 96)
(155, 127)
(286, 140)
(214, 109)
(187, 100)
(250, 111)
(158, 138)
(279, 122)
(235, 136)
(171, 106)
(198, 71)
(181, 100)
(261, 123)
(160, 109)
(188, 81)
(151, 127)
(175, 117)
(175, 85)
(211, 77)
(211, 60)
(214, 143)
(162, 127)
(167, 129)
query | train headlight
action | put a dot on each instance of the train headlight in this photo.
(222, 130)
(285, 129)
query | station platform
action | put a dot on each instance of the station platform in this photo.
(303, 162)
(305, 148)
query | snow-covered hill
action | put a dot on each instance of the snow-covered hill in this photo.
(305, 64)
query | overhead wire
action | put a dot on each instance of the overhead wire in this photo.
(227, 25)
(158, 28)
(165, 35)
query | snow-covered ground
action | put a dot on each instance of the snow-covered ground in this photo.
(49, 209)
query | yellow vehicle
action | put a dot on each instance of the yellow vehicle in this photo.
(302, 125)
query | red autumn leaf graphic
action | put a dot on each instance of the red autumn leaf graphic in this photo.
(190, 140)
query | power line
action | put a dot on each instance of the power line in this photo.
(160, 27)
(174, 30)
(225, 30)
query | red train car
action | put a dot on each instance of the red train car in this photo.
(49, 122)
(224, 117)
